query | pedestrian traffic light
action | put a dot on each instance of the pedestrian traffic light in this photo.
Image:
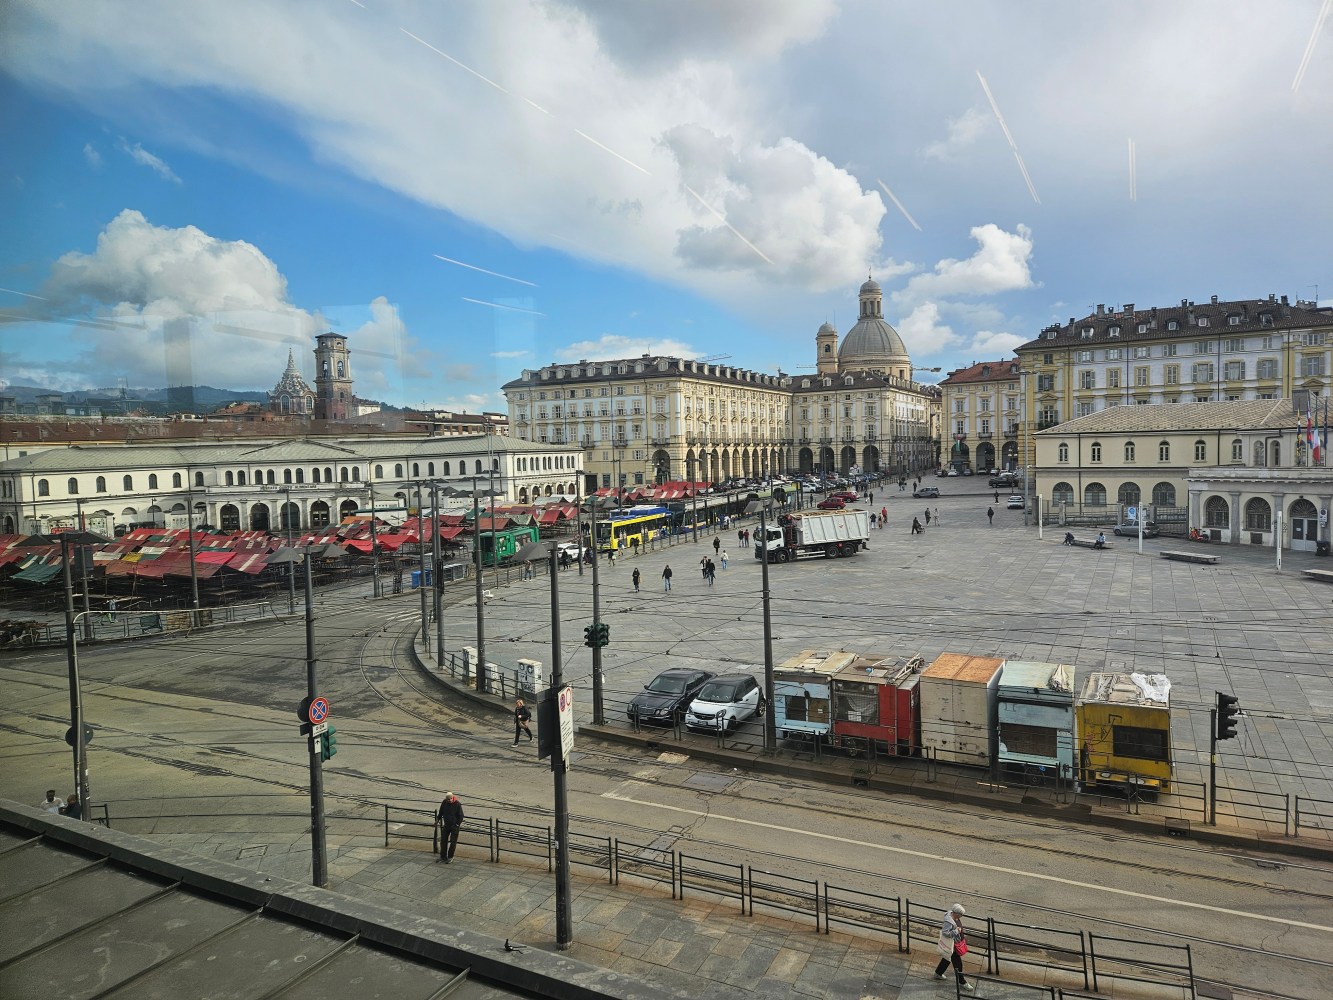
(1228, 716)
(603, 634)
(329, 745)
(590, 636)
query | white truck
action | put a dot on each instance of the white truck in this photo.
(830, 533)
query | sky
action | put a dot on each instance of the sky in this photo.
(469, 188)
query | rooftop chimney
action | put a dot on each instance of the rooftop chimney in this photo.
(1101, 309)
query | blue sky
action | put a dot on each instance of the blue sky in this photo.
(698, 177)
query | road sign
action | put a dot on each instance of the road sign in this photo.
(87, 734)
(318, 711)
(319, 728)
(1132, 513)
(565, 706)
(1323, 516)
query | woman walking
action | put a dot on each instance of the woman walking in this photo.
(952, 945)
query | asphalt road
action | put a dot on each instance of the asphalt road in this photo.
(199, 733)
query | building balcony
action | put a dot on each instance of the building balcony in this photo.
(1044, 424)
(985, 436)
(960, 436)
(660, 442)
(1011, 433)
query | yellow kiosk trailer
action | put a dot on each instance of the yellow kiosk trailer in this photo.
(1124, 732)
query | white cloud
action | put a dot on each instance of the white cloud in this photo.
(923, 332)
(1001, 264)
(613, 346)
(963, 134)
(510, 354)
(91, 154)
(986, 343)
(144, 158)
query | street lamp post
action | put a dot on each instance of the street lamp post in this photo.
(438, 578)
(77, 735)
(291, 566)
(421, 559)
(481, 623)
(374, 548)
(189, 536)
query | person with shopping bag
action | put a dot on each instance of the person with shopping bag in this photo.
(952, 945)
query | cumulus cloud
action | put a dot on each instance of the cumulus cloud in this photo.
(1001, 264)
(923, 332)
(996, 345)
(158, 306)
(963, 133)
(612, 346)
(144, 158)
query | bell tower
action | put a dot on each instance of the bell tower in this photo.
(826, 350)
(333, 377)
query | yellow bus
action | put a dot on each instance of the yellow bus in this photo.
(623, 529)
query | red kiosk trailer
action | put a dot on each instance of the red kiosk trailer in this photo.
(876, 700)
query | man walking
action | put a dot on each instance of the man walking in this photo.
(717, 545)
(710, 572)
(521, 717)
(635, 578)
(51, 804)
(990, 515)
(666, 578)
(449, 818)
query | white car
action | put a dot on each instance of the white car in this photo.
(724, 703)
(572, 549)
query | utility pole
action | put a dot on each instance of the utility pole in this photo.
(437, 576)
(481, 623)
(291, 566)
(78, 732)
(319, 875)
(770, 723)
(189, 534)
(598, 714)
(564, 930)
(421, 583)
(374, 547)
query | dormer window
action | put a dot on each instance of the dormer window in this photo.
(1087, 333)
(1265, 319)
(985, 371)
(1233, 320)
(1143, 328)
(1114, 331)
(1173, 324)
(1203, 321)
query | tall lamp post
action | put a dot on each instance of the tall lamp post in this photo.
(437, 577)
(481, 617)
(374, 547)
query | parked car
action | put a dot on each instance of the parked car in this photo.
(968, 472)
(573, 549)
(1131, 529)
(926, 492)
(832, 503)
(663, 699)
(1016, 502)
(952, 472)
(724, 703)
(846, 496)
(1003, 479)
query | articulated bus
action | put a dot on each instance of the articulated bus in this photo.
(624, 528)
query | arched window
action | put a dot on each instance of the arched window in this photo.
(43, 488)
(1063, 452)
(430, 468)
(176, 482)
(240, 477)
(1062, 493)
(342, 474)
(446, 468)
(314, 474)
(328, 474)
(1277, 454)
(495, 464)
(101, 484)
(1258, 453)
(270, 477)
(72, 486)
(398, 470)
(1129, 451)
(152, 480)
(1164, 495)
(1258, 515)
(127, 483)
(416, 470)
(1128, 494)
(356, 473)
(1163, 451)
(379, 472)
(300, 475)
(1096, 451)
(1200, 451)
(286, 475)
(478, 466)
(1094, 495)
(1237, 451)
(199, 479)
(1216, 513)
(229, 478)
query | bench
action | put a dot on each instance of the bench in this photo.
(1089, 543)
(1319, 574)
(1194, 557)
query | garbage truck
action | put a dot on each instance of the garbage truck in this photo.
(830, 533)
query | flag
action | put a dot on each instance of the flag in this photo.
(1312, 436)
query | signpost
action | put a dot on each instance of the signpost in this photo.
(565, 707)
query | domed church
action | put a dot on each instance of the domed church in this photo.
(871, 346)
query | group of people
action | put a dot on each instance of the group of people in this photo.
(709, 569)
(53, 803)
(743, 538)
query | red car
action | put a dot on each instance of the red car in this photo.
(832, 503)
(846, 496)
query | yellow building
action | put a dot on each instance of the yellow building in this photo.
(982, 416)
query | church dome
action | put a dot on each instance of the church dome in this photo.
(292, 394)
(872, 344)
(828, 328)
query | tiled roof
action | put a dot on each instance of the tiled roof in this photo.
(985, 371)
(656, 366)
(1249, 314)
(1247, 414)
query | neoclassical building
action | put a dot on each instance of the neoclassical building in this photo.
(657, 418)
(982, 417)
(263, 485)
(1241, 470)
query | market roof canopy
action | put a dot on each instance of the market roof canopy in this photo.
(535, 550)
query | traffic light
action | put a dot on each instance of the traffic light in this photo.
(590, 636)
(1228, 715)
(329, 744)
(597, 635)
(603, 634)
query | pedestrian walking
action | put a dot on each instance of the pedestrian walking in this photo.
(883, 514)
(916, 526)
(952, 945)
(927, 517)
(872, 496)
(51, 803)
(449, 820)
(635, 578)
(724, 558)
(874, 518)
(527, 565)
(634, 546)
(521, 717)
(740, 538)
(717, 545)
(611, 556)
(990, 515)
(73, 808)
(710, 572)
(997, 496)
(666, 578)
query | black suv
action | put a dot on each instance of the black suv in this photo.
(664, 698)
(1004, 479)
